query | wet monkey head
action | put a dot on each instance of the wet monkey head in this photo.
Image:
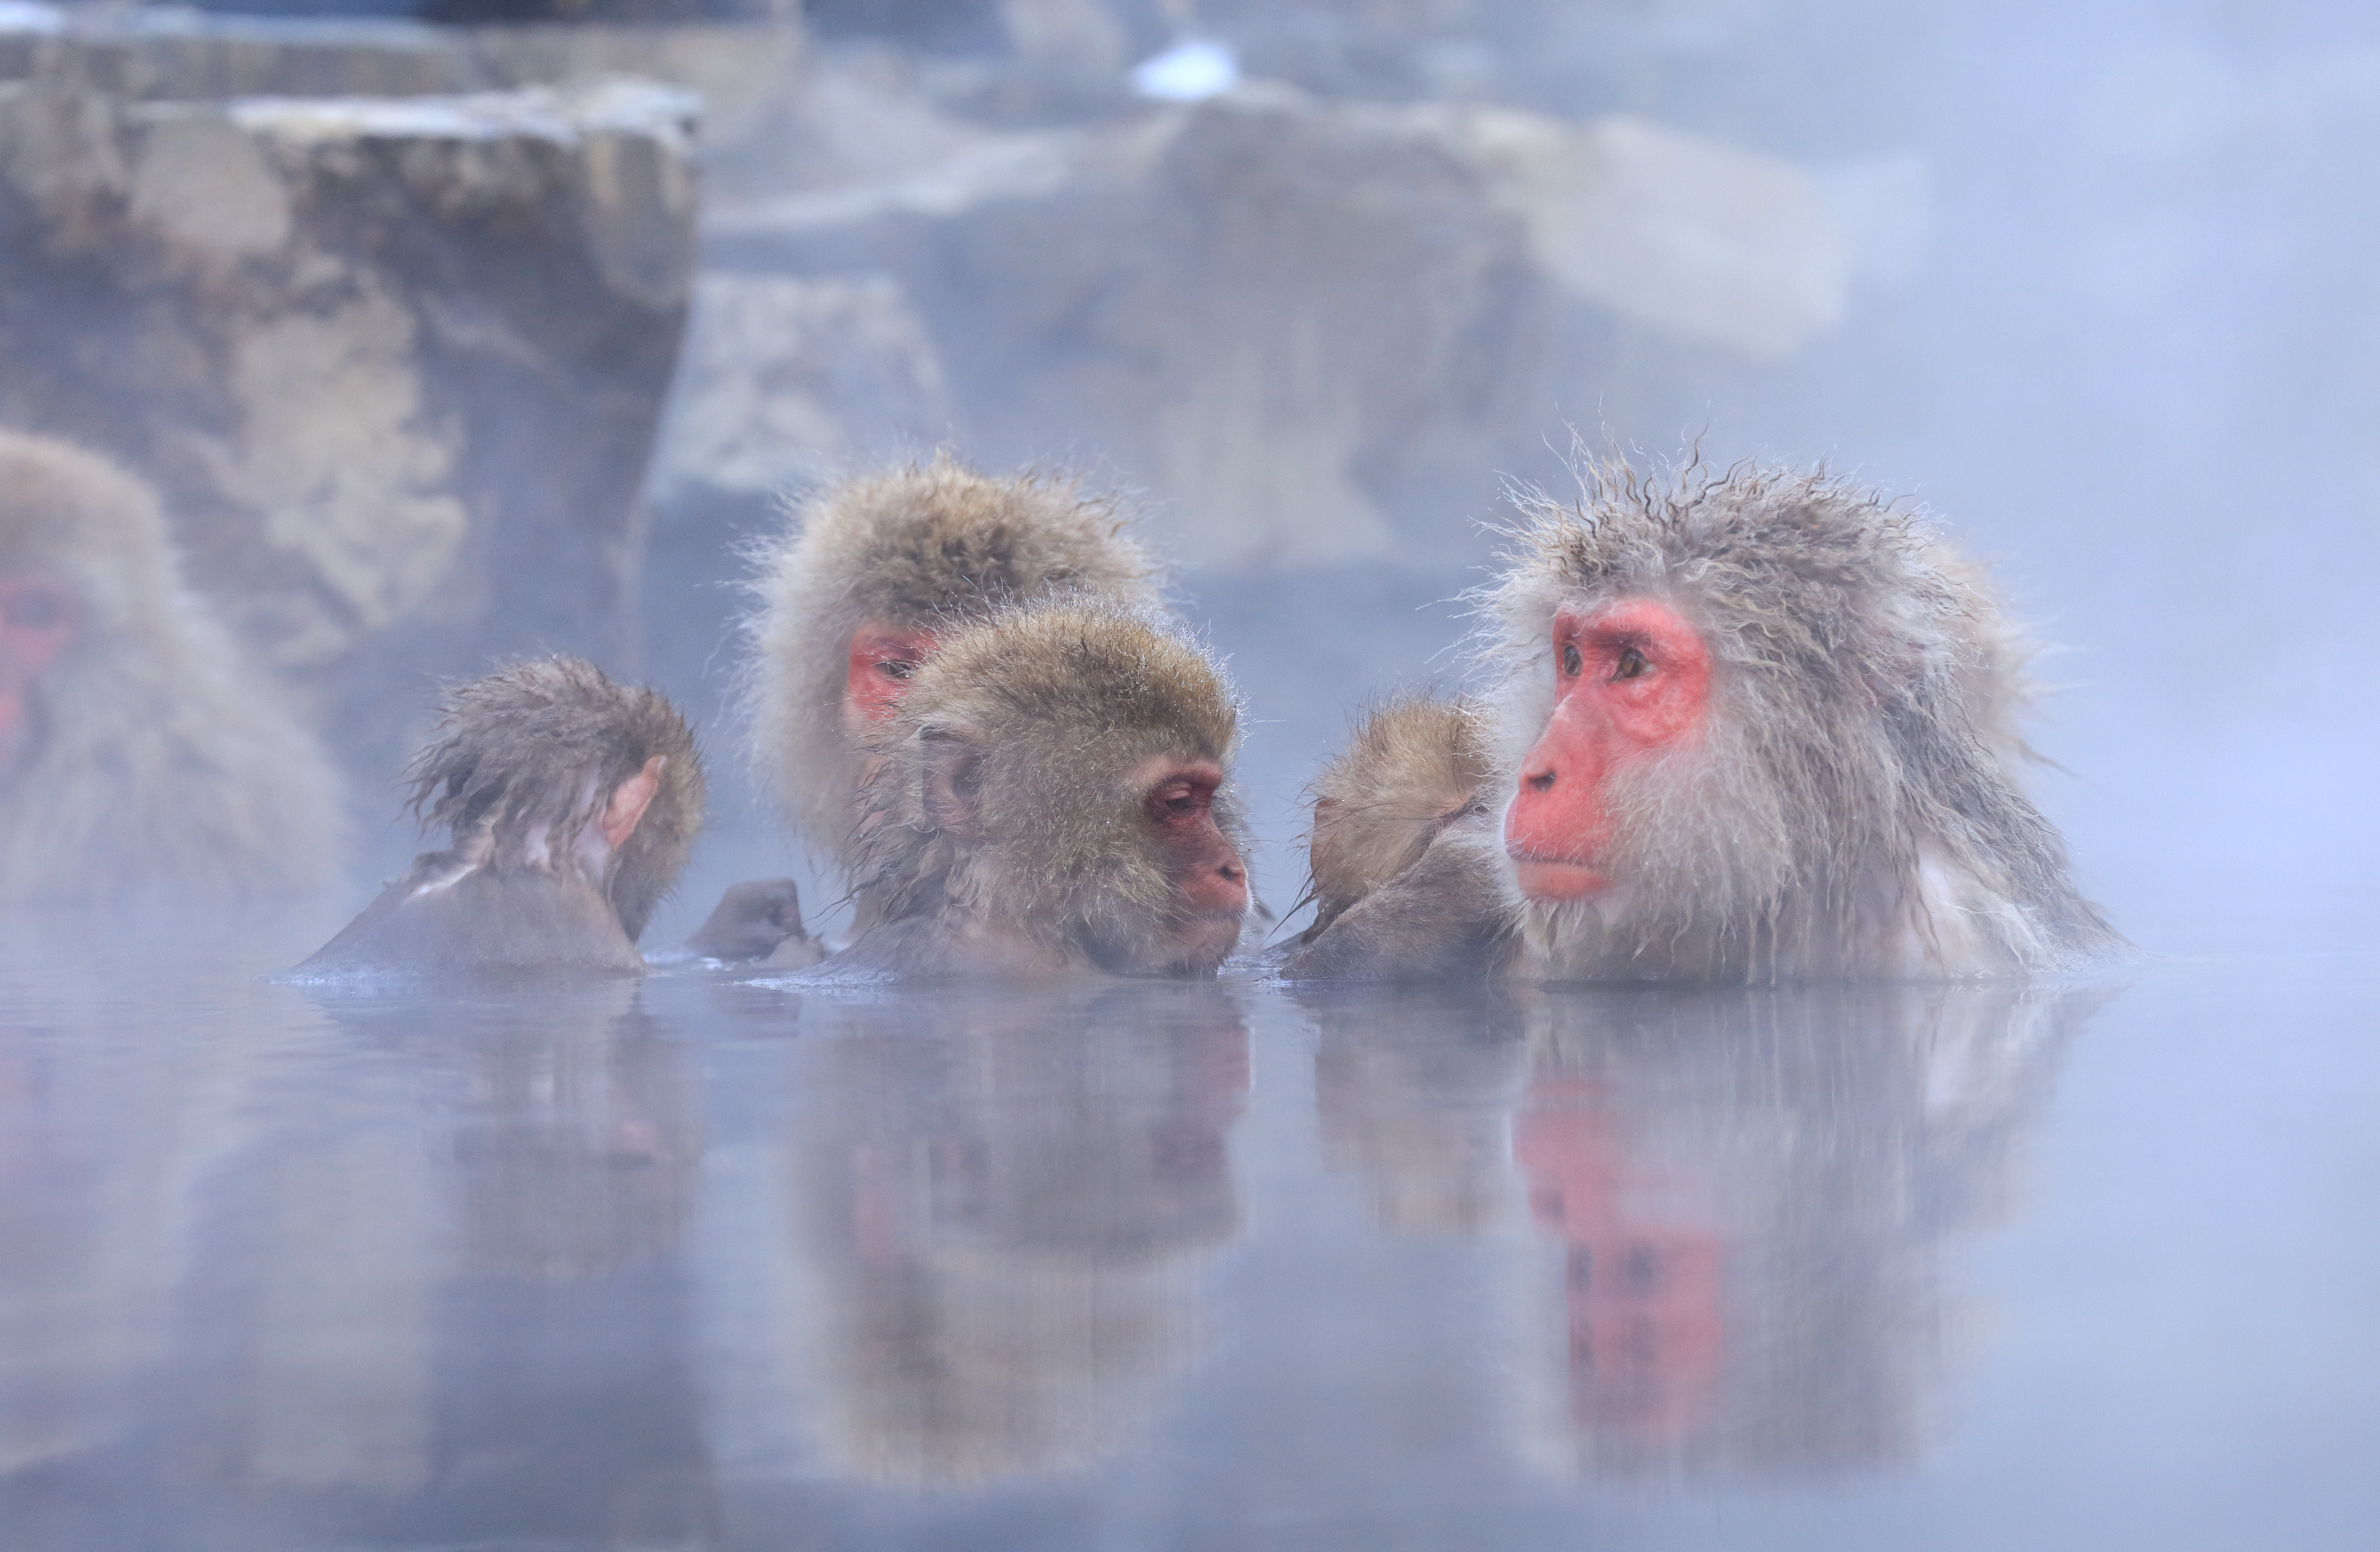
(550, 767)
(569, 804)
(873, 574)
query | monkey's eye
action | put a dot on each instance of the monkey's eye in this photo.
(1177, 800)
(1632, 664)
(34, 609)
(1571, 661)
(894, 668)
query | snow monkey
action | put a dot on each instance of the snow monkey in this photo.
(1400, 819)
(874, 572)
(137, 746)
(1053, 793)
(1754, 726)
(571, 803)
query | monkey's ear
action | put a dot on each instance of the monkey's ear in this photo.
(629, 801)
(952, 765)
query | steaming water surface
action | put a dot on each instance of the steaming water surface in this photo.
(701, 1262)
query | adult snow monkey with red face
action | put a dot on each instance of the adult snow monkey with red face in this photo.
(140, 751)
(873, 574)
(1752, 726)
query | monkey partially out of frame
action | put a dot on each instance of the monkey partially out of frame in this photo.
(570, 802)
(1052, 795)
(138, 751)
(871, 577)
(1753, 727)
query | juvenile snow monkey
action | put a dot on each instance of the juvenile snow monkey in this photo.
(1054, 795)
(570, 802)
(1752, 726)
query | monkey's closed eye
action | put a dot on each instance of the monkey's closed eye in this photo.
(1571, 661)
(1632, 665)
(1176, 800)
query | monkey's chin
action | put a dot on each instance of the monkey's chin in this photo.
(1202, 945)
(1551, 881)
(1198, 946)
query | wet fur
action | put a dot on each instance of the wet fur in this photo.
(1050, 709)
(163, 759)
(929, 546)
(526, 761)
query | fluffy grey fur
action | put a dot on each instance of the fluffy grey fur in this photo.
(1041, 716)
(926, 547)
(161, 759)
(1850, 810)
(1414, 767)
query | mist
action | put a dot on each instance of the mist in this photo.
(445, 333)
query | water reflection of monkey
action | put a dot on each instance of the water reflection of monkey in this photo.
(998, 1201)
(99, 1156)
(1738, 1194)
(456, 1311)
(1414, 1087)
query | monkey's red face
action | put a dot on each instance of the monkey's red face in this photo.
(883, 661)
(36, 618)
(1631, 681)
(1211, 884)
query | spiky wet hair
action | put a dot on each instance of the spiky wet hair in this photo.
(929, 546)
(1859, 746)
(1412, 767)
(1052, 705)
(527, 757)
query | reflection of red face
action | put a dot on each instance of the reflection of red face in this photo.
(36, 618)
(883, 661)
(1629, 681)
(1645, 1300)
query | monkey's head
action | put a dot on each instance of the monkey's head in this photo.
(1414, 767)
(874, 573)
(550, 766)
(84, 562)
(1751, 705)
(1062, 773)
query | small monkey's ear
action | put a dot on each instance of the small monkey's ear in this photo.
(629, 801)
(953, 767)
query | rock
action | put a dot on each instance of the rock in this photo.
(395, 363)
(740, 66)
(166, 52)
(1320, 331)
(786, 382)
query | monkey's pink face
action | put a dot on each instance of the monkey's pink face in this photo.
(36, 618)
(1211, 884)
(883, 661)
(1631, 682)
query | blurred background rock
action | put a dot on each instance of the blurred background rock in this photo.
(1312, 279)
